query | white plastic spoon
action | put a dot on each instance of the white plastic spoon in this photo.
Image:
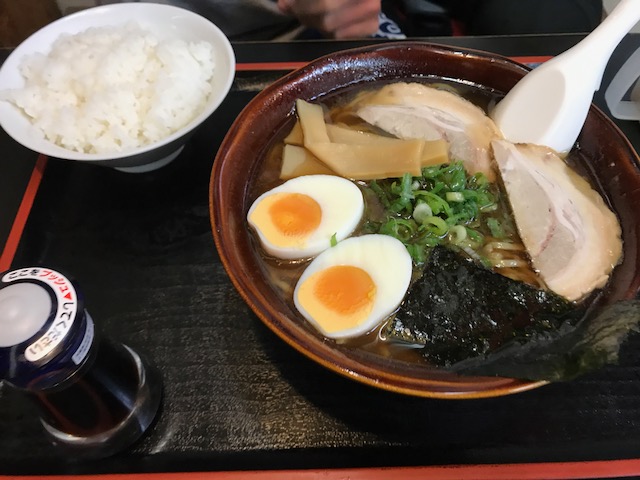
(549, 105)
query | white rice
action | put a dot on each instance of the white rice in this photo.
(110, 89)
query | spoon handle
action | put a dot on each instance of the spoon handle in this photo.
(600, 44)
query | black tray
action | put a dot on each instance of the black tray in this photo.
(236, 396)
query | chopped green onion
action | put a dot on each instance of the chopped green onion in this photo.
(400, 228)
(418, 254)
(334, 240)
(457, 234)
(454, 197)
(443, 205)
(474, 235)
(439, 226)
(495, 227)
(438, 204)
(421, 212)
(492, 207)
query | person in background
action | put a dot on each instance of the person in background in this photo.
(394, 19)
(342, 19)
(337, 19)
(277, 19)
(414, 18)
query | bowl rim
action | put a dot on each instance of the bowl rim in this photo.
(321, 351)
(49, 148)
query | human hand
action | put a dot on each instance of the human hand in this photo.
(336, 18)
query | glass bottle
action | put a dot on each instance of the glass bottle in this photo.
(95, 396)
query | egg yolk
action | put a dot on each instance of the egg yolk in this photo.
(287, 219)
(295, 214)
(338, 297)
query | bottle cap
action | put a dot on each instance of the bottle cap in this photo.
(44, 330)
(24, 309)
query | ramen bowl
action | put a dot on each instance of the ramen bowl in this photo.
(613, 169)
(163, 23)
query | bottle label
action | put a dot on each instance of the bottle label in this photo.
(85, 345)
(66, 308)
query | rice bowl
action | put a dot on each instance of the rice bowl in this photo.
(149, 126)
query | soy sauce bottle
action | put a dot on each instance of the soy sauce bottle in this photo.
(95, 396)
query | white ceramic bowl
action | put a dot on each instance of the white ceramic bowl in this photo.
(163, 21)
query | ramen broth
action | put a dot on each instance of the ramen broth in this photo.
(284, 274)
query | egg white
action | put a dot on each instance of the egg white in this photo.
(342, 208)
(387, 262)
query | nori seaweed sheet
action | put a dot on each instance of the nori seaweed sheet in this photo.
(564, 354)
(460, 310)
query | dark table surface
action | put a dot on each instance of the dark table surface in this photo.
(235, 396)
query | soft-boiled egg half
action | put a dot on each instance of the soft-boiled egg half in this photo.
(304, 215)
(352, 287)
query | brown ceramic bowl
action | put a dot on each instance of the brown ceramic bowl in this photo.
(613, 169)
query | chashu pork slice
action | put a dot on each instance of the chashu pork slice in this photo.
(572, 237)
(415, 110)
